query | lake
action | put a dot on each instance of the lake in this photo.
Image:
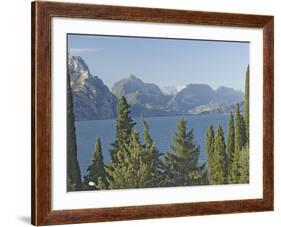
(161, 130)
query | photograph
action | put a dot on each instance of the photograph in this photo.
(146, 112)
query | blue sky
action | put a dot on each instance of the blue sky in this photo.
(163, 61)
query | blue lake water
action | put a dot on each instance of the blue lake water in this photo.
(161, 130)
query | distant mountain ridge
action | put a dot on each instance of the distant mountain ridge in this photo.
(94, 100)
(145, 98)
(228, 96)
(214, 108)
(171, 90)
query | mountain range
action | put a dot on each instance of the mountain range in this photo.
(92, 99)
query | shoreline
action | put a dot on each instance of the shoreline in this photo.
(147, 117)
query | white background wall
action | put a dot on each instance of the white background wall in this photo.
(15, 112)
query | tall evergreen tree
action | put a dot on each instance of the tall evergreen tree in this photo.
(74, 182)
(234, 174)
(230, 141)
(181, 162)
(209, 148)
(239, 140)
(148, 141)
(153, 157)
(96, 171)
(244, 165)
(219, 159)
(131, 170)
(246, 104)
(243, 131)
(124, 126)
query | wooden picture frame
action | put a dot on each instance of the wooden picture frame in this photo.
(42, 13)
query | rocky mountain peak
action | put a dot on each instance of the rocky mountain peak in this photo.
(132, 77)
(228, 95)
(78, 71)
(91, 97)
(77, 63)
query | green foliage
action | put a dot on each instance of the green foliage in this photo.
(148, 141)
(234, 166)
(244, 165)
(230, 141)
(219, 159)
(216, 154)
(131, 169)
(181, 162)
(74, 182)
(134, 165)
(240, 167)
(96, 171)
(244, 156)
(124, 126)
(246, 103)
(234, 175)
(239, 134)
(209, 148)
(199, 176)
(153, 157)
(101, 185)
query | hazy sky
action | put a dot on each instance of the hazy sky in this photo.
(163, 61)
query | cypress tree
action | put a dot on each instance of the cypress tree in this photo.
(240, 166)
(243, 131)
(219, 160)
(209, 148)
(131, 169)
(246, 104)
(238, 130)
(74, 182)
(96, 171)
(181, 162)
(244, 153)
(234, 174)
(244, 165)
(230, 141)
(124, 126)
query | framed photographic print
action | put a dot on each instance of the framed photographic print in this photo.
(148, 113)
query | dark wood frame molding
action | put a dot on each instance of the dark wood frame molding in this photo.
(42, 13)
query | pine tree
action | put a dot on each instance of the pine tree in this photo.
(96, 171)
(234, 174)
(181, 162)
(74, 182)
(219, 159)
(246, 104)
(131, 169)
(230, 141)
(124, 126)
(148, 141)
(209, 148)
(101, 185)
(244, 165)
(153, 157)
